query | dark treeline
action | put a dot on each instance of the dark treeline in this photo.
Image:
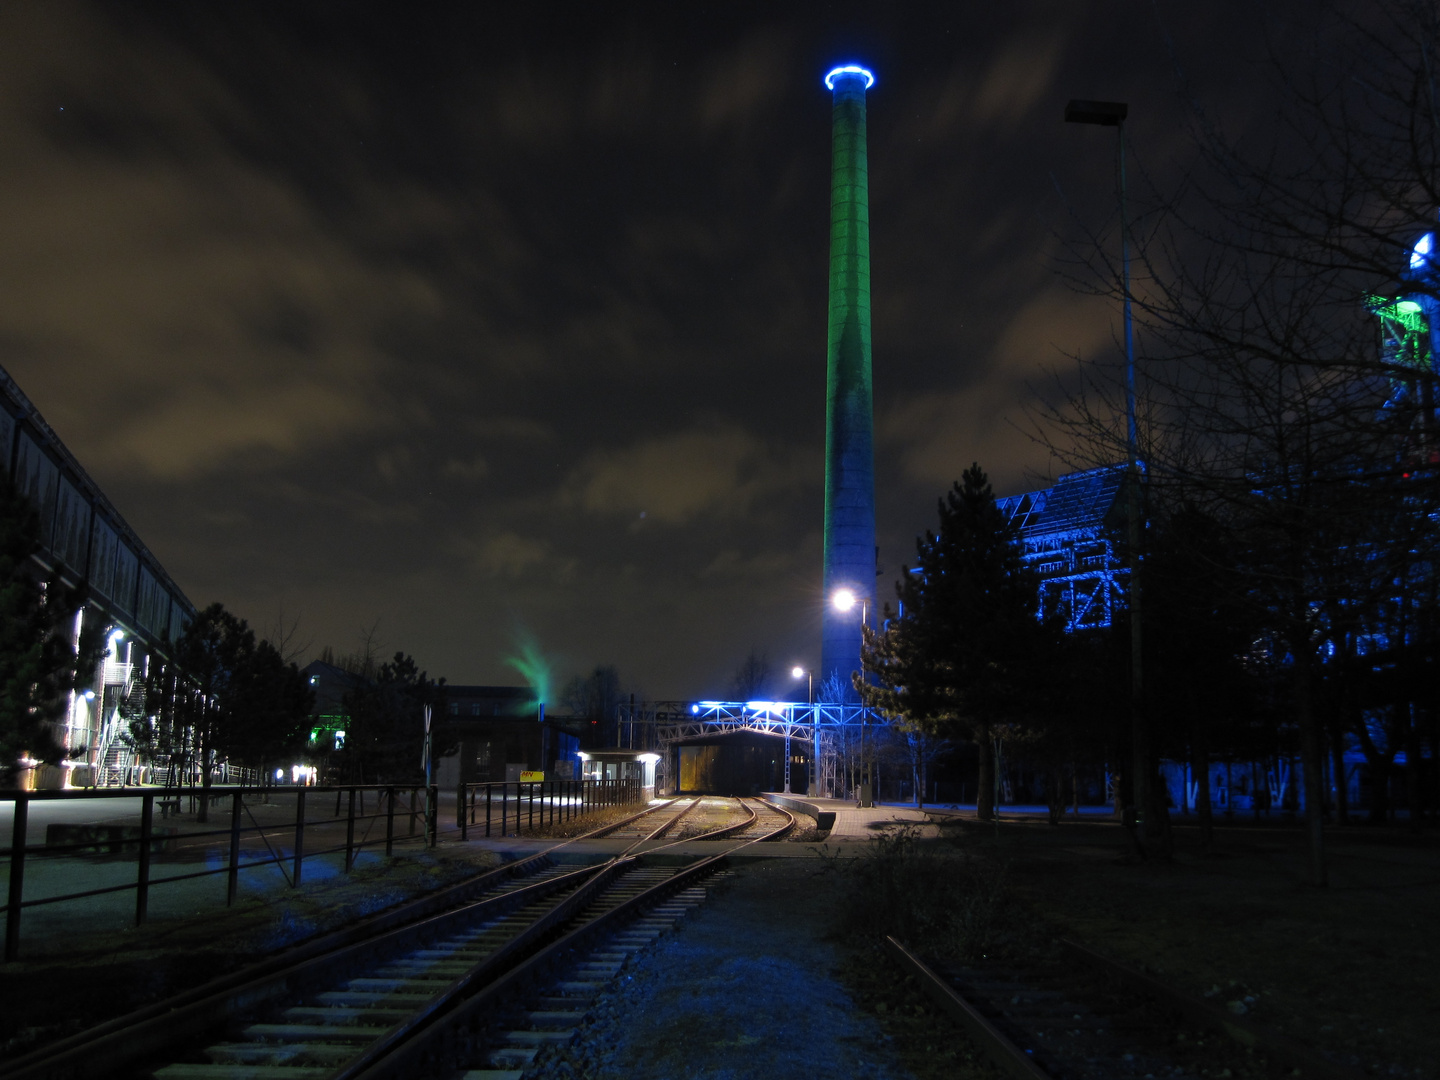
(1286, 303)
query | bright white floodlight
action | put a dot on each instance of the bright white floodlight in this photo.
(797, 672)
(843, 600)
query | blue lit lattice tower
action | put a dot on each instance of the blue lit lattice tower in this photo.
(849, 414)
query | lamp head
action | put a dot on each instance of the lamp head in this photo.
(797, 672)
(844, 599)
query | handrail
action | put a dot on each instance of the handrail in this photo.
(558, 801)
(143, 839)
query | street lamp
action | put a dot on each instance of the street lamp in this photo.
(845, 599)
(798, 672)
(1113, 114)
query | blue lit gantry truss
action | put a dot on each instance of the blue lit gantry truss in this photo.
(1066, 531)
(662, 725)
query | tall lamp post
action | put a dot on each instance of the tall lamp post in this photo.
(798, 672)
(845, 600)
(1113, 114)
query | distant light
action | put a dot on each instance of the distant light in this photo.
(279, 774)
(1407, 307)
(116, 635)
(649, 758)
(844, 599)
(711, 704)
(89, 695)
(797, 672)
(1424, 249)
(849, 69)
(583, 756)
(694, 708)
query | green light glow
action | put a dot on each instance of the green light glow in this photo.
(531, 664)
(1404, 330)
(849, 413)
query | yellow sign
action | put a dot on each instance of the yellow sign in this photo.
(529, 777)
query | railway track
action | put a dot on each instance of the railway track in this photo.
(423, 988)
(1086, 1017)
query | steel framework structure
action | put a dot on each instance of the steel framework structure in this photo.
(1066, 531)
(662, 725)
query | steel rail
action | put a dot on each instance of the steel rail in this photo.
(775, 834)
(991, 1040)
(487, 971)
(116, 1044)
(1280, 1048)
(606, 830)
(661, 830)
(440, 1040)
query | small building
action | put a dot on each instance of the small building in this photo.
(616, 763)
(500, 732)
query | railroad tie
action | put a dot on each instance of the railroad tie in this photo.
(316, 1054)
(244, 1072)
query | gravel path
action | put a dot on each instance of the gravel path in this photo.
(745, 987)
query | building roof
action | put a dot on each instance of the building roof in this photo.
(81, 531)
(1077, 501)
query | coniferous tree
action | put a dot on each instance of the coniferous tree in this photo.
(386, 717)
(39, 663)
(967, 651)
(234, 698)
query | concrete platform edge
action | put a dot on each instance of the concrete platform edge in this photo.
(824, 819)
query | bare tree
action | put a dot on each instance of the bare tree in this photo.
(1272, 401)
(752, 677)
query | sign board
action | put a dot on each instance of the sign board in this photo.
(531, 777)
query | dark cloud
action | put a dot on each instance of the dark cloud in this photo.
(411, 314)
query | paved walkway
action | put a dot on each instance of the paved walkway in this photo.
(853, 823)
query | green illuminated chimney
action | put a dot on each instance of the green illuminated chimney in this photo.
(849, 574)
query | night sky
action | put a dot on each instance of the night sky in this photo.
(464, 324)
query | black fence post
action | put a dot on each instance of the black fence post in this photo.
(389, 821)
(232, 886)
(460, 815)
(17, 878)
(530, 821)
(412, 812)
(432, 816)
(299, 837)
(489, 791)
(142, 877)
(350, 832)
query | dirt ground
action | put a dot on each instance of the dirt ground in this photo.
(748, 986)
(1348, 969)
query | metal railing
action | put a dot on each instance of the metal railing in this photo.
(144, 839)
(516, 804)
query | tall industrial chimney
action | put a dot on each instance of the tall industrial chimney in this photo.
(849, 575)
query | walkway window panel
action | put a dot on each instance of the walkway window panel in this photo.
(38, 478)
(104, 545)
(72, 527)
(127, 576)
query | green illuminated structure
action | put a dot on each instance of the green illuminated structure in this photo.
(849, 425)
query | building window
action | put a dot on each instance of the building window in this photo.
(454, 709)
(475, 709)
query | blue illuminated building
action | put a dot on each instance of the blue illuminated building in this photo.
(1067, 532)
